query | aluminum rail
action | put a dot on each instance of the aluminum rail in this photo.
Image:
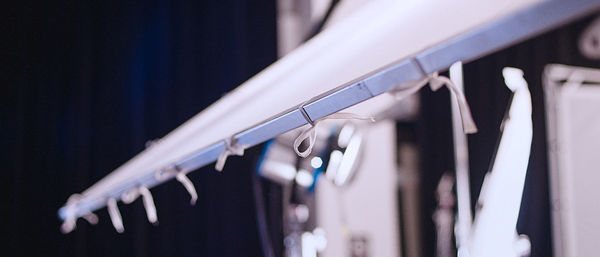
(489, 38)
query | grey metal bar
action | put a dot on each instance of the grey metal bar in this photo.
(508, 31)
(383, 81)
(338, 100)
(467, 47)
(289, 120)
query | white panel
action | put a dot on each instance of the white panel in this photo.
(579, 173)
(368, 204)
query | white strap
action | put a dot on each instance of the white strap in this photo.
(91, 218)
(70, 222)
(181, 177)
(436, 82)
(231, 148)
(115, 215)
(68, 225)
(311, 132)
(189, 186)
(130, 196)
(149, 204)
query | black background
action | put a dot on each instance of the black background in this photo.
(86, 83)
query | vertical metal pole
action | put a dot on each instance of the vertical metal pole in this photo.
(461, 160)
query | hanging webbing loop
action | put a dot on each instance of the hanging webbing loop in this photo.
(231, 148)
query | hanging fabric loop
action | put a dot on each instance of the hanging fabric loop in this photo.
(149, 204)
(68, 225)
(91, 218)
(70, 222)
(310, 133)
(231, 148)
(115, 215)
(130, 195)
(436, 82)
(189, 186)
(183, 179)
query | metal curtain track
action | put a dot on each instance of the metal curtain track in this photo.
(470, 46)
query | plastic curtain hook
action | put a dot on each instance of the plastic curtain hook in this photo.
(189, 186)
(149, 204)
(231, 148)
(115, 215)
(436, 82)
(70, 222)
(311, 132)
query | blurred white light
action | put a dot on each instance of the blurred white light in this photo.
(309, 248)
(348, 161)
(345, 135)
(334, 163)
(280, 172)
(320, 239)
(316, 162)
(304, 178)
(302, 213)
(312, 243)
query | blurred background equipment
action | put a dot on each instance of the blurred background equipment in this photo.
(444, 217)
(361, 216)
(494, 228)
(573, 100)
(338, 200)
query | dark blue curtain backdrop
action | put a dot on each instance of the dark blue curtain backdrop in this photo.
(489, 98)
(84, 85)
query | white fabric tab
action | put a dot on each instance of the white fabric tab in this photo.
(91, 218)
(149, 204)
(189, 186)
(436, 82)
(231, 148)
(182, 178)
(68, 225)
(310, 133)
(70, 222)
(115, 215)
(130, 196)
